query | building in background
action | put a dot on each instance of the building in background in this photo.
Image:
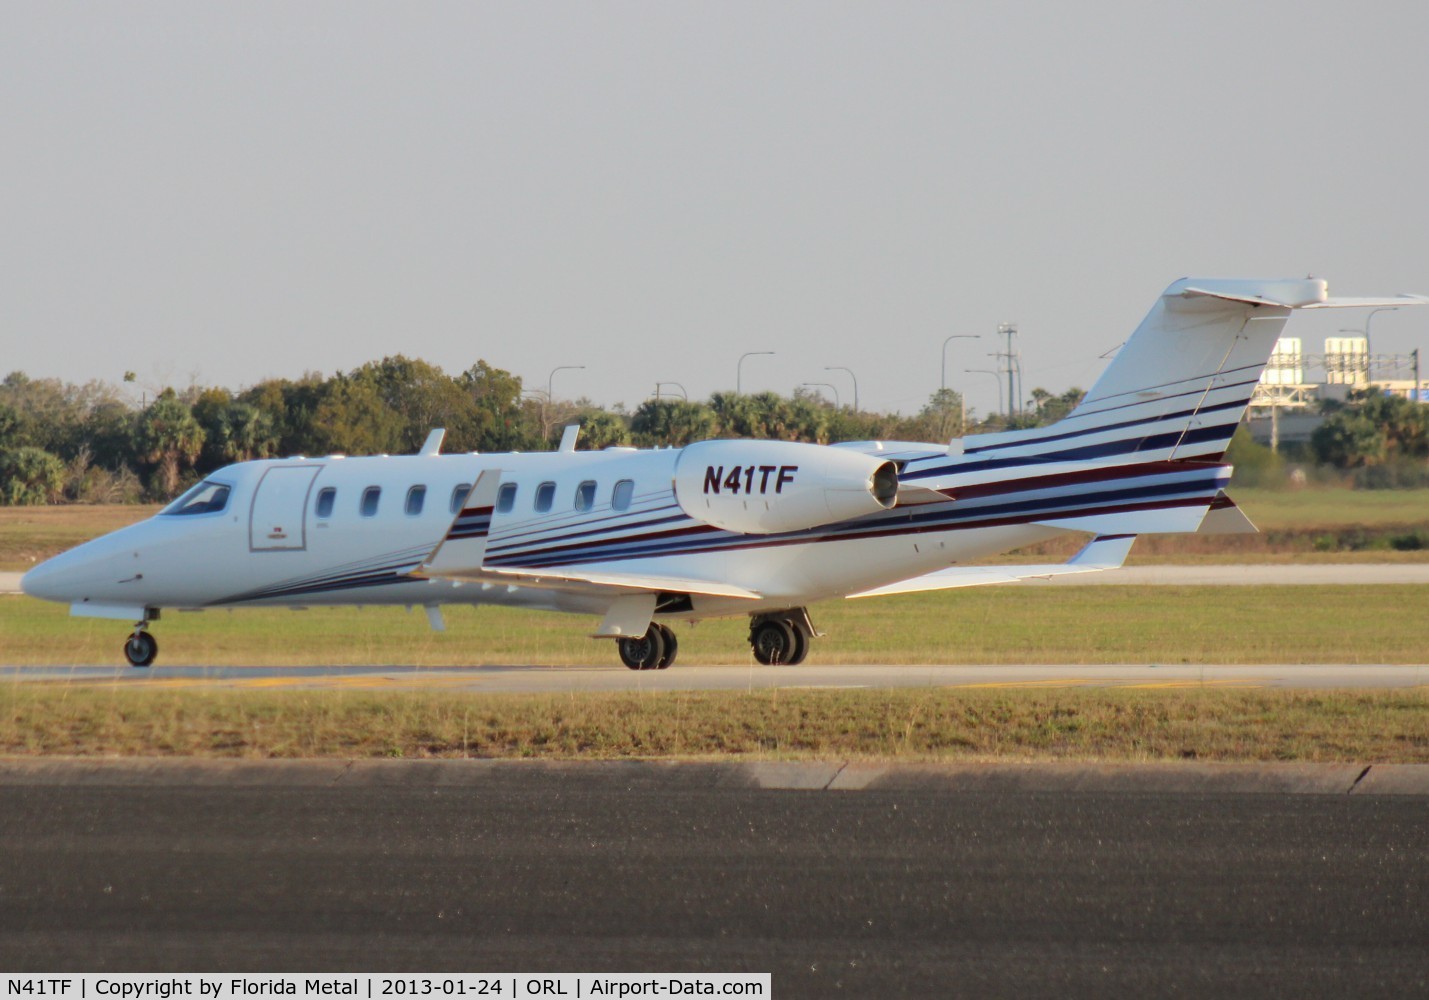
(1284, 409)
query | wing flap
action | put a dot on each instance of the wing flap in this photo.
(574, 577)
(1102, 553)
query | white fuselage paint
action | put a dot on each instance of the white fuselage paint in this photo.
(229, 559)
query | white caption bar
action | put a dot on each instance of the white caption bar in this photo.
(377, 986)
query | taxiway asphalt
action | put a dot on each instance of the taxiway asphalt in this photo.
(910, 886)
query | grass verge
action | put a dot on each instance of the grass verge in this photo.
(895, 724)
(1306, 624)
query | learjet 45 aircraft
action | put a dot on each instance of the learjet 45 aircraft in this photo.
(717, 528)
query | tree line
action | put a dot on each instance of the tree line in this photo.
(92, 443)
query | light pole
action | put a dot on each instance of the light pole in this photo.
(943, 382)
(839, 368)
(996, 377)
(551, 378)
(1368, 344)
(827, 385)
(683, 394)
(739, 370)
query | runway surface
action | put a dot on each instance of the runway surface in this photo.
(538, 679)
(900, 889)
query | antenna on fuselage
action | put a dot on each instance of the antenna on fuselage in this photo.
(433, 444)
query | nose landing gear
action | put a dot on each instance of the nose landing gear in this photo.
(141, 647)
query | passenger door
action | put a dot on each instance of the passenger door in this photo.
(280, 504)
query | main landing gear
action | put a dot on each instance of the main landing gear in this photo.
(655, 650)
(141, 647)
(781, 637)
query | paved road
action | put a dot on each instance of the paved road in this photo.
(1185, 576)
(904, 889)
(537, 679)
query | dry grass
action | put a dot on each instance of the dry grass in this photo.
(31, 534)
(1319, 525)
(902, 724)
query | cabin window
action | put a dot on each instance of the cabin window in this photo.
(620, 497)
(459, 496)
(506, 498)
(327, 496)
(370, 498)
(207, 497)
(416, 497)
(545, 496)
(585, 495)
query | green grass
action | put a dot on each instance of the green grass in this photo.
(1352, 624)
(1315, 508)
(904, 724)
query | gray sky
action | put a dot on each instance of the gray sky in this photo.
(230, 192)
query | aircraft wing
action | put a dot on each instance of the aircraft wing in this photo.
(1101, 553)
(553, 577)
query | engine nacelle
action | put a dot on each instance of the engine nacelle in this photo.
(761, 487)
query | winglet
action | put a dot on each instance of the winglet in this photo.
(464, 547)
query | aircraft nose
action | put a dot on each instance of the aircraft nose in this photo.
(45, 582)
(79, 574)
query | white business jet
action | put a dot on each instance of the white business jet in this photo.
(718, 528)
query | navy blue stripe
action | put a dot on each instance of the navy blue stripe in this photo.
(945, 517)
(507, 546)
(1179, 381)
(1126, 446)
(318, 585)
(1177, 415)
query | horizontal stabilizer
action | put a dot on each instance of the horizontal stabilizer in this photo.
(1309, 294)
(1101, 553)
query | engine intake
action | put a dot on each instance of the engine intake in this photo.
(763, 487)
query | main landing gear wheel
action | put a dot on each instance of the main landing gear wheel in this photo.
(646, 652)
(140, 649)
(774, 642)
(672, 646)
(782, 637)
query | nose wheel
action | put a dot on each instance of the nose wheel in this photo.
(141, 648)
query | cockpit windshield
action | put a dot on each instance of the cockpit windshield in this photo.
(208, 497)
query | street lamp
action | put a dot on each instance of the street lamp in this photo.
(683, 394)
(827, 385)
(551, 378)
(996, 377)
(837, 368)
(739, 370)
(943, 382)
(1368, 345)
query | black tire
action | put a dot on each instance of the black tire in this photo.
(140, 649)
(672, 646)
(643, 653)
(801, 645)
(773, 642)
